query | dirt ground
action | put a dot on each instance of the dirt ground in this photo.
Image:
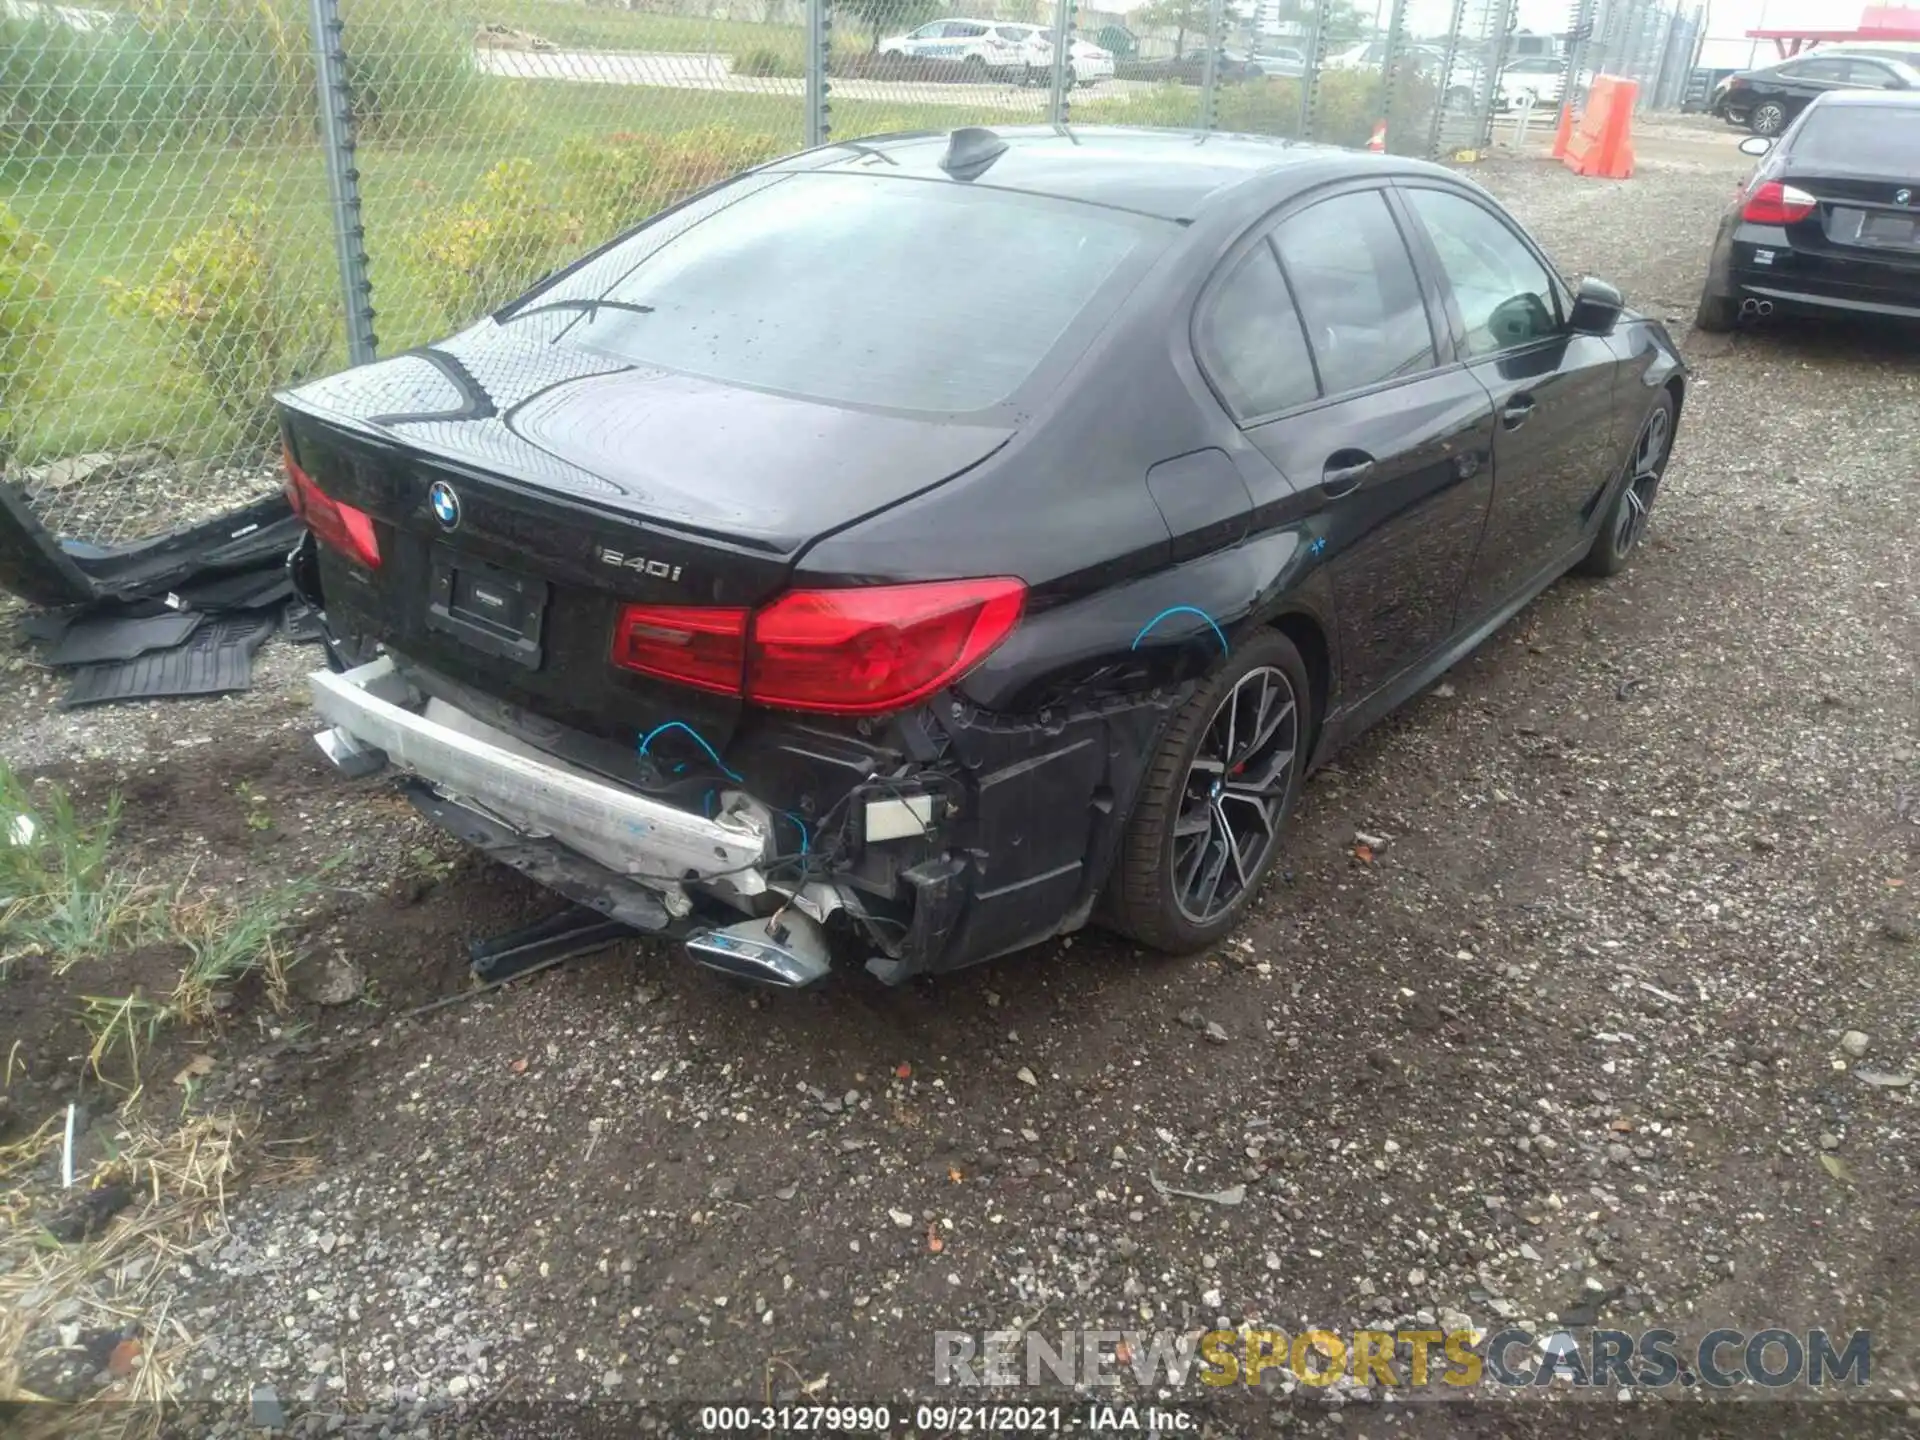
(1567, 1051)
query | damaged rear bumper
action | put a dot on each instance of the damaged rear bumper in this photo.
(535, 793)
(971, 834)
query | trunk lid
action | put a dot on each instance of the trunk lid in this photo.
(523, 492)
(1861, 161)
(1861, 213)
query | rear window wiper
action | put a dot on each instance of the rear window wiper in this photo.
(590, 307)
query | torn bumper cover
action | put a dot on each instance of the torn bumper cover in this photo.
(972, 834)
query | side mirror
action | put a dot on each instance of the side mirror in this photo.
(1756, 145)
(1596, 308)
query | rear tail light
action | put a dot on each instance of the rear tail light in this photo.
(860, 651)
(1777, 204)
(706, 648)
(334, 523)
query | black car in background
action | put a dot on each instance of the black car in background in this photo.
(1765, 101)
(744, 580)
(1830, 221)
(1230, 68)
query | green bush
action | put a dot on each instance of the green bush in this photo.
(615, 182)
(608, 181)
(477, 255)
(1348, 105)
(410, 69)
(764, 63)
(226, 307)
(694, 159)
(173, 72)
(25, 332)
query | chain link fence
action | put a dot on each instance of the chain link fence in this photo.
(202, 200)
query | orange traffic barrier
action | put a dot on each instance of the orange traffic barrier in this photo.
(1378, 143)
(1602, 143)
(1563, 135)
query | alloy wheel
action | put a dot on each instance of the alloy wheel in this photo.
(1644, 470)
(1235, 795)
(1769, 119)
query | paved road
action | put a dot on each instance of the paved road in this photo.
(715, 72)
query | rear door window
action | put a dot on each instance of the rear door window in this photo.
(1825, 72)
(1870, 74)
(1358, 293)
(1250, 341)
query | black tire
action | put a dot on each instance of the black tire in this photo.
(1716, 314)
(1769, 117)
(1625, 522)
(1144, 898)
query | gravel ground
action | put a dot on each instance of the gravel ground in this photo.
(1607, 1030)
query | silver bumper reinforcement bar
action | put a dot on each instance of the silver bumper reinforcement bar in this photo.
(374, 709)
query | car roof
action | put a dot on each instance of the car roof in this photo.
(1861, 51)
(1172, 174)
(1868, 100)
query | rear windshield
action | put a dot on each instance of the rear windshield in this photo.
(900, 293)
(1873, 138)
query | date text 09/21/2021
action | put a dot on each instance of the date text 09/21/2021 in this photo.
(944, 1418)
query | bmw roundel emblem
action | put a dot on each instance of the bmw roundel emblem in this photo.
(446, 505)
(1902, 197)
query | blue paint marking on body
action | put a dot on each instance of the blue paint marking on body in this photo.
(1219, 634)
(647, 739)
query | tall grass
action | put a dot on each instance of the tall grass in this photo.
(58, 896)
(224, 72)
(1349, 104)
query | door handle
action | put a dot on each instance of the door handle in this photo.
(1516, 412)
(1338, 480)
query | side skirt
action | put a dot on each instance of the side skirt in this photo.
(1350, 723)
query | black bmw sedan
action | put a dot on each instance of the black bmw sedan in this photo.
(1829, 224)
(945, 541)
(1767, 100)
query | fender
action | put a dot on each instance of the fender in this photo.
(1160, 630)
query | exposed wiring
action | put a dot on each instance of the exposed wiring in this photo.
(701, 877)
(813, 857)
(1219, 634)
(647, 740)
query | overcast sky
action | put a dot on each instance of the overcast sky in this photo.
(1727, 21)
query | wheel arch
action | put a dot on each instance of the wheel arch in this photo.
(1309, 637)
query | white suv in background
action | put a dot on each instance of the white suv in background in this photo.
(1540, 76)
(987, 45)
(1086, 62)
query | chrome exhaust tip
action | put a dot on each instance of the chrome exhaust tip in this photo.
(787, 952)
(1766, 308)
